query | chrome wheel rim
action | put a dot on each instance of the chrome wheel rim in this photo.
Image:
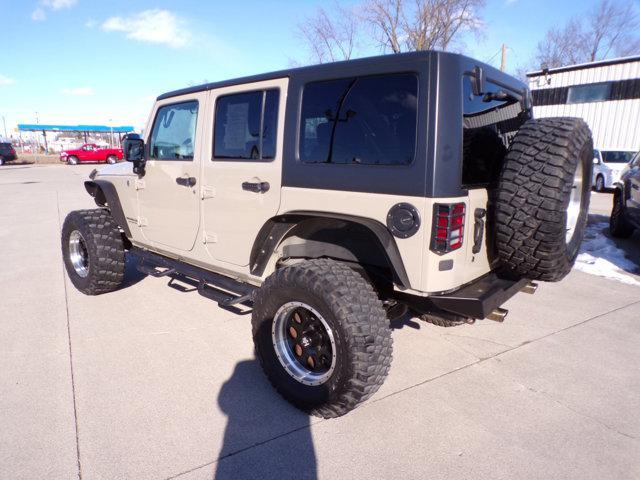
(575, 202)
(78, 254)
(304, 343)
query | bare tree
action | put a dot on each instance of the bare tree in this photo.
(385, 17)
(609, 29)
(330, 37)
(613, 26)
(422, 24)
(562, 46)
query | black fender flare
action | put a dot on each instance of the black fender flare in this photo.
(276, 229)
(105, 195)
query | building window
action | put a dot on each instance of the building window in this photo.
(246, 126)
(595, 92)
(174, 132)
(360, 121)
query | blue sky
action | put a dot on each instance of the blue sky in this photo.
(82, 61)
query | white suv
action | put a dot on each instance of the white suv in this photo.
(607, 167)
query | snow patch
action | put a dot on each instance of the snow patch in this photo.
(600, 256)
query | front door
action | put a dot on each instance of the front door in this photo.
(168, 192)
(241, 181)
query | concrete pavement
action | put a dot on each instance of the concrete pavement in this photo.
(152, 383)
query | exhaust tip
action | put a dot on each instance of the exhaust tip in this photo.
(530, 288)
(498, 315)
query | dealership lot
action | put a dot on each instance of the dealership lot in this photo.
(158, 382)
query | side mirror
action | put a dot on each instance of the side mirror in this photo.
(133, 151)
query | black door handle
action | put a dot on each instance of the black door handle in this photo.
(257, 187)
(186, 181)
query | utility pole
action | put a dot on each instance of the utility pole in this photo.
(4, 124)
(503, 62)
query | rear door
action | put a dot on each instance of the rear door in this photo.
(241, 179)
(169, 207)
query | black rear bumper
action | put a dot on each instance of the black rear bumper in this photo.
(475, 300)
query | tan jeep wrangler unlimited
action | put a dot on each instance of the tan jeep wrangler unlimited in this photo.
(331, 199)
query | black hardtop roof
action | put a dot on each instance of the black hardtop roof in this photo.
(321, 69)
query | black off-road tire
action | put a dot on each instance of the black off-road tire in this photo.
(104, 248)
(359, 324)
(618, 224)
(533, 194)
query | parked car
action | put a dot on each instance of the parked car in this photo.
(91, 153)
(7, 153)
(413, 181)
(607, 167)
(625, 214)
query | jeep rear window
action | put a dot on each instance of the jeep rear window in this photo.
(174, 132)
(489, 125)
(367, 120)
(246, 126)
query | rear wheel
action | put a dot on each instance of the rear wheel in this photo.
(322, 336)
(543, 198)
(618, 224)
(72, 160)
(599, 183)
(111, 159)
(93, 251)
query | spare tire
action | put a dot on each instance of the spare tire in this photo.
(543, 198)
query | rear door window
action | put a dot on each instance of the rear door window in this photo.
(246, 126)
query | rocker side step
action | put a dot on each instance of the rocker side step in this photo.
(226, 291)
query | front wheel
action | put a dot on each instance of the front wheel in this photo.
(599, 183)
(93, 251)
(618, 224)
(322, 336)
(72, 160)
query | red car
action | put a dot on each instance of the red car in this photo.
(91, 153)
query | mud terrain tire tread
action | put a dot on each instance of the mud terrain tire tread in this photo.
(359, 320)
(533, 194)
(105, 247)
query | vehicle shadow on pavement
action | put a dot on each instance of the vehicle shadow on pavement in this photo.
(265, 436)
(598, 243)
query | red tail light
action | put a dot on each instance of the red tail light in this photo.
(448, 227)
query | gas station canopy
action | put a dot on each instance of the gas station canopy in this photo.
(28, 127)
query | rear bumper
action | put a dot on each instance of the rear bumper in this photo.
(475, 300)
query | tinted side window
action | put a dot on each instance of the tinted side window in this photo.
(174, 132)
(368, 121)
(597, 92)
(246, 125)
